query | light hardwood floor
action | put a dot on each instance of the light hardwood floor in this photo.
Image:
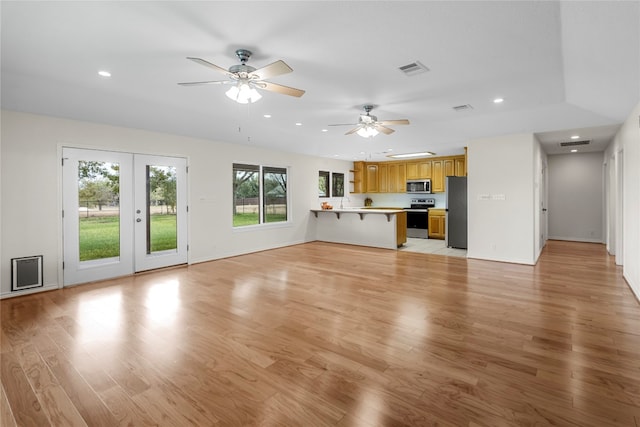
(323, 334)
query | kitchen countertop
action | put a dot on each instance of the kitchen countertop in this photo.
(360, 211)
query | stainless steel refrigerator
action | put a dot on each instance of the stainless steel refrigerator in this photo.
(456, 212)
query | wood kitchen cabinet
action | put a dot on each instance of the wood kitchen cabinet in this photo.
(437, 176)
(401, 228)
(460, 168)
(371, 178)
(436, 223)
(391, 177)
(383, 178)
(397, 178)
(448, 166)
(419, 169)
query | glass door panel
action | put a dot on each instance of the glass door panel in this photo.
(97, 220)
(98, 210)
(161, 225)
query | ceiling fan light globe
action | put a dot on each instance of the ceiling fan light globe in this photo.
(367, 132)
(232, 93)
(243, 93)
(254, 95)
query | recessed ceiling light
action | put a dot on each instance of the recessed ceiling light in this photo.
(389, 149)
(362, 152)
(103, 73)
(267, 116)
(335, 155)
(498, 100)
(325, 130)
(404, 156)
(574, 151)
(575, 136)
(298, 124)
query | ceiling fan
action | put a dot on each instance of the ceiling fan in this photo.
(368, 126)
(246, 79)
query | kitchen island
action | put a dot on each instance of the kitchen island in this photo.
(380, 228)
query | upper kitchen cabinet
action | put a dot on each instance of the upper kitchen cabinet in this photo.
(371, 178)
(418, 169)
(443, 167)
(383, 178)
(437, 176)
(460, 168)
(397, 177)
(449, 167)
(391, 177)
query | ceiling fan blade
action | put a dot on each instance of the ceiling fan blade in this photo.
(383, 129)
(354, 130)
(285, 90)
(210, 65)
(275, 69)
(394, 122)
(344, 124)
(213, 82)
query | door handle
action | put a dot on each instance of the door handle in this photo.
(138, 219)
(544, 209)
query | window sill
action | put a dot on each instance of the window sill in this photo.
(264, 226)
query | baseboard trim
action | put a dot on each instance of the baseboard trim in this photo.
(575, 239)
(31, 291)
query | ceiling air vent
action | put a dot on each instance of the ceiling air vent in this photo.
(413, 68)
(574, 143)
(463, 107)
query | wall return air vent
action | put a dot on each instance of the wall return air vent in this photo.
(574, 143)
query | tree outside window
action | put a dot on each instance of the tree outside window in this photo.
(260, 194)
(323, 184)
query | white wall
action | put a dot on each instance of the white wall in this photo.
(502, 230)
(576, 197)
(31, 192)
(627, 146)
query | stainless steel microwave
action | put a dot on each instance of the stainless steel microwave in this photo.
(418, 186)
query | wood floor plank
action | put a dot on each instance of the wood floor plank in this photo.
(6, 416)
(25, 407)
(84, 398)
(331, 335)
(56, 404)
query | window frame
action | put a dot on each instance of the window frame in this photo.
(326, 177)
(261, 171)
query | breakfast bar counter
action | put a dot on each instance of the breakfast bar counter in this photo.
(380, 228)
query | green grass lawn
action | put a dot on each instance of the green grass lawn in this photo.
(242, 219)
(100, 236)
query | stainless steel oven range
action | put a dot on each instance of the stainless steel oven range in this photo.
(417, 217)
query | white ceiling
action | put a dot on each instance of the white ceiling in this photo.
(562, 68)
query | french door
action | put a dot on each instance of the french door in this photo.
(123, 213)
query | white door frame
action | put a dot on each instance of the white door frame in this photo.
(133, 255)
(143, 259)
(74, 270)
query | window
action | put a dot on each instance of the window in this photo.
(260, 195)
(323, 184)
(337, 187)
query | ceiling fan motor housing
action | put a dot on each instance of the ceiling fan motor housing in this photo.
(241, 68)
